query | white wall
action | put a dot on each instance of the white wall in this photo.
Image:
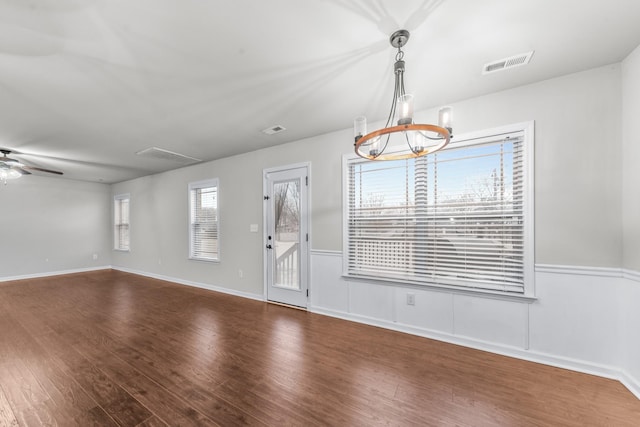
(159, 216)
(574, 225)
(577, 182)
(52, 225)
(631, 159)
(630, 304)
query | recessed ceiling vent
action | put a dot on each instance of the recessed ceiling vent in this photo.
(510, 62)
(274, 129)
(160, 153)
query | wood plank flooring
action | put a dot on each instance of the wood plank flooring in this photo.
(114, 349)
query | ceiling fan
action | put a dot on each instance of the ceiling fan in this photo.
(12, 169)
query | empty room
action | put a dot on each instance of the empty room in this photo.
(320, 212)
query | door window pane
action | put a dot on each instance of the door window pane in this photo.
(286, 196)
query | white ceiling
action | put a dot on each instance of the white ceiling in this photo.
(85, 84)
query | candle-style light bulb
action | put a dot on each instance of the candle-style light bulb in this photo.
(405, 109)
(445, 118)
(359, 127)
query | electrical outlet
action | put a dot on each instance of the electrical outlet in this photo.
(240, 273)
(95, 257)
(411, 299)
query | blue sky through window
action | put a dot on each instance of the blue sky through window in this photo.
(468, 173)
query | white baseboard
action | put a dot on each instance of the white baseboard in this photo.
(54, 273)
(207, 286)
(545, 359)
(565, 274)
(616, 373)
(631, 383)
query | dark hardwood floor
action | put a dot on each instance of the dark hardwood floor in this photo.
(114, 349)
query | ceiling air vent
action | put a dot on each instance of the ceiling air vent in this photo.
(510, 62)
(274, 129)
(160, 153)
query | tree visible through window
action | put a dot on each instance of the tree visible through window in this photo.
(453, 218)
(286, 203)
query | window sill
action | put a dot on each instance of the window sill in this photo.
(214, 261)
(480, 293)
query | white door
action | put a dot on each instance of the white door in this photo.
(287, 235)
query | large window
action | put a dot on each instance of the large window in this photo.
(459, 218)
(203, 222)
(121, 222)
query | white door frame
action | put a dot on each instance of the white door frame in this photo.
(305, 273)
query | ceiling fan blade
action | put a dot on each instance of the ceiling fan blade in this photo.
(21, 170)
(33, 168)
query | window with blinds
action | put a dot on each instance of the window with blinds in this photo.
(121, 222)
(203, 223)
(455, 218)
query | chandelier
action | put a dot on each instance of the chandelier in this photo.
(401, 138)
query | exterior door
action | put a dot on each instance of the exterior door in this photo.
(287, 236)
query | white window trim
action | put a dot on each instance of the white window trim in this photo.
(122, 196)
(528, 129)
(213, 182)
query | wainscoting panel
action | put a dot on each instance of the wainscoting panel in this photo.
(585, 319)
(576, 317)
(491, 320)
(374, 302)
(630, 332)
(433, 311)
(328, 289)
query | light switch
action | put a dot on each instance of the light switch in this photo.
(253, 228)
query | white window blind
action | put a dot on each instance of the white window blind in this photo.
(453, 218)
(121, 222)
(203, 208)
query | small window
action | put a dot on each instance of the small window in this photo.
(203, 220)
(121, 222)
(459, 218)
